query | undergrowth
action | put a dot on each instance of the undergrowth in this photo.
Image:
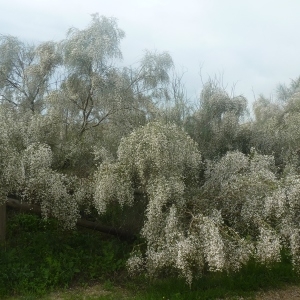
(39, 258)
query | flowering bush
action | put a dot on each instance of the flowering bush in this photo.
(191, 228)
(26, 170)
(11, 168)
(46, 187)
(164, 163)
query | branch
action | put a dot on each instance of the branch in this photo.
(8, 100)
(15, 204)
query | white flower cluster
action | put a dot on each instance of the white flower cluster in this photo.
(112, 183)
(238, 186)
(26, 171)
(46, 187)
(268, 246)
(243, 210)
(162, 161)
(11, 168)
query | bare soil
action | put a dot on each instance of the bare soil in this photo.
(288, 293)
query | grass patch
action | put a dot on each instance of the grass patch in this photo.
(40, 261)
(250, 279)
(39, 257)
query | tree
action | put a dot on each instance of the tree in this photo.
(88, 56)
(284, 93)
(275, 130)
(174, 106)
(94, 89)
(97, 100)
(216, 124)
(266, 137)
(25, 73)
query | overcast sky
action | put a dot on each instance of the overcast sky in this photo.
(254, 43)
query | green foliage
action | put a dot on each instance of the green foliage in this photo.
(251, 278)
(39, 256)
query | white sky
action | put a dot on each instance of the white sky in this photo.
(253, 43)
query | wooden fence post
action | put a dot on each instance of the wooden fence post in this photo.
(2, 222)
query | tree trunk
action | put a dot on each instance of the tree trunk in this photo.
(2, 222)
(13, 203)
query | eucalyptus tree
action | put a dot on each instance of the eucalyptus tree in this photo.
(25, 72)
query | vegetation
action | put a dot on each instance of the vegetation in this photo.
(205, 190)
(39, 256)
(42, 261)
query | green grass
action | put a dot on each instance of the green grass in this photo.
(40, 259)
(39, 256)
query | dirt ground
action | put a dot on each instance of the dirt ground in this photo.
(289, 293)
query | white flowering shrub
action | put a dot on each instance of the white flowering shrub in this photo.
(11, 166)
(26, 169)
(112, 183)
(238, 186)
(148, 153)
(257, 204)
(268, 246)
(282, 211)
(215, 125)
(243, 210)
(180, 234)
(48, 188)
(163, 162)
(241, 187)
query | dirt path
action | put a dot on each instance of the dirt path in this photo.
(289, 293)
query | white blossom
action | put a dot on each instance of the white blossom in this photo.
(268, 246)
